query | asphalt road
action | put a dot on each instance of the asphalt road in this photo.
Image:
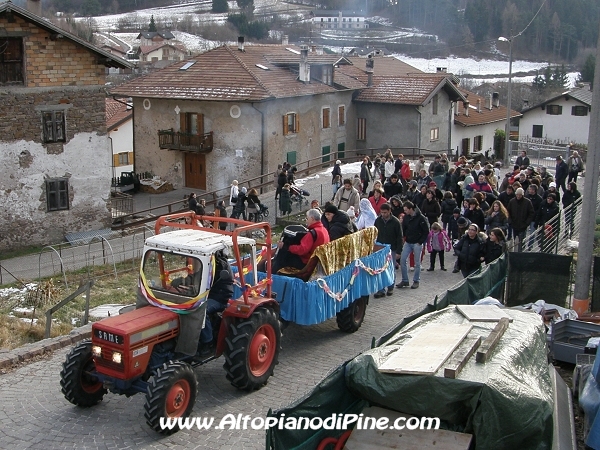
(34, 414)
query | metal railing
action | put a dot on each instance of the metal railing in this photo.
(266, 182)
(176, 140)
(538, 154)
(86, 287)
(555, 235)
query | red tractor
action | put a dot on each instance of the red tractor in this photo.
(136, 351)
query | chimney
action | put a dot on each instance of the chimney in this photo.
(456, 109)
(490, 102)
(525, 104)
(441, 69)
(241, 43)
(304, 66)
(466, 108)
(319, 49)
(284, 39)
(369, 66)
(35, 7)
(478, 105)
(313, 49)
(496, 99)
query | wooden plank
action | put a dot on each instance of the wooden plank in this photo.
(482, 313)
(405, 439)
(426, 350)
(491, 341)
(459, 359)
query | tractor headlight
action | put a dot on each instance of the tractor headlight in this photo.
(97, 351)
(117, 357)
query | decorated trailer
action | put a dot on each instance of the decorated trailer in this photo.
(154, 348)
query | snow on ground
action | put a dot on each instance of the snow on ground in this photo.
(463, 66)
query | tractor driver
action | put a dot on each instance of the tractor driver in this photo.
(220, 293)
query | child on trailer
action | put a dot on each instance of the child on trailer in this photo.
(438, 242)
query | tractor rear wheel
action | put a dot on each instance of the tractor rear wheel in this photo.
(252, 349)
(77, 383)
(171, 394)
(351, 318)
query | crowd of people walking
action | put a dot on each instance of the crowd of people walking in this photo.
(465, 207)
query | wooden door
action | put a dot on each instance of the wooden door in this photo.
(195, 171)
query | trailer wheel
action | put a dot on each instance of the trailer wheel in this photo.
(77, 383)
(171, 394)
(252, 349)
(351, 318)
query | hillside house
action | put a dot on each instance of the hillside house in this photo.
(339, 20)
(54, 151)
(560, 120)
(476, 121)
(161, 54)
(150, 38)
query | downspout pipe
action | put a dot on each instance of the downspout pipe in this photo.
(262, 143)
(419, 128)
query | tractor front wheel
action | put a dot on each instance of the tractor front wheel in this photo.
(78, 384)
(252, 349)
(171, 394)
(351, 318)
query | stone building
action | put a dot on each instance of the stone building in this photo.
(235, 113)
(55, 157)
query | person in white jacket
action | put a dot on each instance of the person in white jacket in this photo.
(367, 215)
(233, 195)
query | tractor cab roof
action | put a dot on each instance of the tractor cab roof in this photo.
(196, 242)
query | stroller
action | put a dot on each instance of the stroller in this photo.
(257, 212)
(298, 195)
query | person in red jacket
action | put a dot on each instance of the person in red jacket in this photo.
(298, 255)
(377, 200)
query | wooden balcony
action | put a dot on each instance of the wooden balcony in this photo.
(185, 142)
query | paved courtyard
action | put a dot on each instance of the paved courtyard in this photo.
(34, 414)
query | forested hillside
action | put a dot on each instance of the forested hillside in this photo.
(560, 31)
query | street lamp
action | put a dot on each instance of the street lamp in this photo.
(508, 102)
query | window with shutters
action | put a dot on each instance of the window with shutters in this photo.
(477, 143)
(341, 115)
(57, 194)
(554, 110)
(54, 126)
(11, 60)
(291, 124)
(579, 110)
(124, 159)
(326, 117)
(361, 129)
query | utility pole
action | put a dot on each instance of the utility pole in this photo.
(581, 296)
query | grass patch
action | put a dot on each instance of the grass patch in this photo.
(22, 311)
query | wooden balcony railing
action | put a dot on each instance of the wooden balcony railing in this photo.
(185, 142)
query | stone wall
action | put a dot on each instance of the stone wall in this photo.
(26, 163)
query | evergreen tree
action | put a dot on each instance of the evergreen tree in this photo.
(220, 6)
(90, 8)
(152, 26)
(587, 71)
